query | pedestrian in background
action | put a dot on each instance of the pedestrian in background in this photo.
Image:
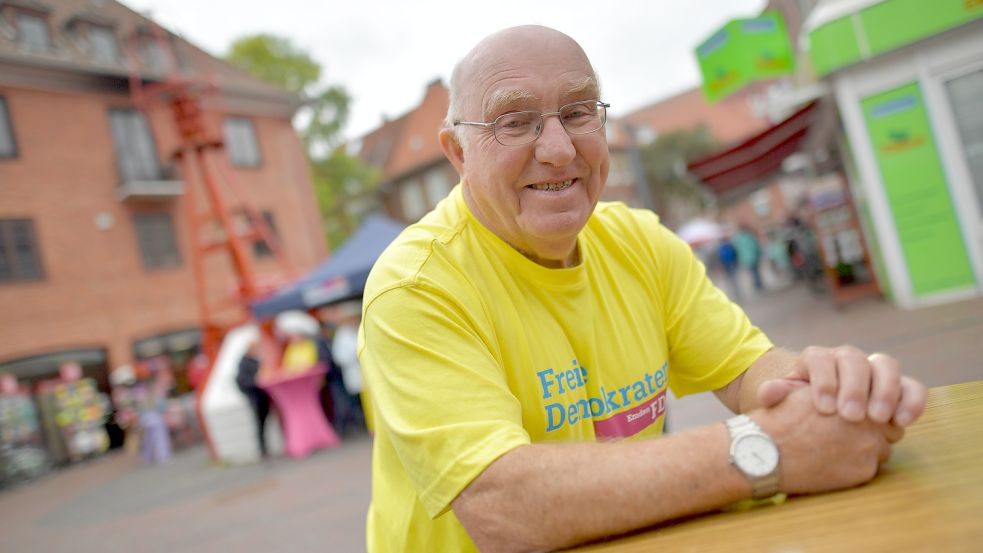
(749, 254)
(776, 252)
(344, 351)
(259, 400)
(727, 256)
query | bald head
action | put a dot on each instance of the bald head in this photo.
(497, 53)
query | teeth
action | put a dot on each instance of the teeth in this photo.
(553, 186)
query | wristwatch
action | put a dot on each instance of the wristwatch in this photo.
(755, 454)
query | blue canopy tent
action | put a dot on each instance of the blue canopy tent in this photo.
(341, 277)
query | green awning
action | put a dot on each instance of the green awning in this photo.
(844, 32)
(743, 51)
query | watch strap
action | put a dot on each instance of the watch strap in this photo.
(762, 487)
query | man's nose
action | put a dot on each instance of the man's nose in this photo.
(554, 145)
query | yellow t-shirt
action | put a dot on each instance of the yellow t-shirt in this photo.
(469, 350)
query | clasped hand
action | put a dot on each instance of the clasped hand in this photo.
(847, 381)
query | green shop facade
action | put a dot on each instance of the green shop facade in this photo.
(907, 76)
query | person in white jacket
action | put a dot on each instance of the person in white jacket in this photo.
(344, 352)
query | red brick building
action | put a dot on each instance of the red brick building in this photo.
(95, 252)
(415, 173)
(729, 120)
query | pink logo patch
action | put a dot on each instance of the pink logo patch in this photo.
(631, 421)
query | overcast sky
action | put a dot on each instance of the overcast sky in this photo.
(384, 52)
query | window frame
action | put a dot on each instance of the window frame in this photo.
(431, 179)
(413, 189)
(9, 251)
(159, 167)
(967, 151)
(7, 126)
(151, 53)
(91, 31)
(147, 257)
(43, 19)
(231, 142)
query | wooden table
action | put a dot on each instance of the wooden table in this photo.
(928, 497)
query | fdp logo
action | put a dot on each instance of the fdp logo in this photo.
(723, 78)
(768, 61)
(901, 140)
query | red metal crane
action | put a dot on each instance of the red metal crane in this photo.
(212, 198)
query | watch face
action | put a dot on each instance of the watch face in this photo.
(755, 455)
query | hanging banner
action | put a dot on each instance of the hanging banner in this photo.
(917, 190)
(743, 51)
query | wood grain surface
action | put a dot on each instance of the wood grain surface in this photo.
(927, 497)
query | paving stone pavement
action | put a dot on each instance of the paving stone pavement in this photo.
(116, 504)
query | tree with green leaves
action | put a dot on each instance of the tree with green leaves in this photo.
(664, 162)
(338, 178)
(345, 189)
(277, 60)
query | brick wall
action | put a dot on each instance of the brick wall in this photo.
(96, 292)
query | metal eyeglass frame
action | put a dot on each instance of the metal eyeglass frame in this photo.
(542, 119)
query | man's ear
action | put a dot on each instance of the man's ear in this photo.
(452, 149)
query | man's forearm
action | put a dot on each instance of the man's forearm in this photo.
(741, 395)
(543, 497)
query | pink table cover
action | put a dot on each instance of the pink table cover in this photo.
(298, 401)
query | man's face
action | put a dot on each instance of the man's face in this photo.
(537, 197)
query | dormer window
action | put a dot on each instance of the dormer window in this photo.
(152, 54)
(102, 44)
(32, 32)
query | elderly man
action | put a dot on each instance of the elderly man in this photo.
(518, 343)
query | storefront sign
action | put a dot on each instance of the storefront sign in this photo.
(743, 51)
(917, 190)
(882, 27)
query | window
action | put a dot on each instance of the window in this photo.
(32, 32)
(413, 203)
(260, 247)
(19, 258)
(136, 154)
(7, 146)
(646, 134)
(240, 141)
(966, 96)
(158, 246)
(152, 53)
(103, 45)
(437, 186)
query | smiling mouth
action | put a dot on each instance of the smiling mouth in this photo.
(552, 186)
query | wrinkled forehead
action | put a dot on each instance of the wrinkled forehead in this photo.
(501, 99)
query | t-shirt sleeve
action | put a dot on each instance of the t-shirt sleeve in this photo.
(440, 394)
(711, 340)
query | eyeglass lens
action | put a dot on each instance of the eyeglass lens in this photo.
(520, 127)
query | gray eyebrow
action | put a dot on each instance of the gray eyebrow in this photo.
(500, 99)
(585, 84)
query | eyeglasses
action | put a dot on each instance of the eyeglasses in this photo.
(522, 127)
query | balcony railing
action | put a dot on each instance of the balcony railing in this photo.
(166, 186)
